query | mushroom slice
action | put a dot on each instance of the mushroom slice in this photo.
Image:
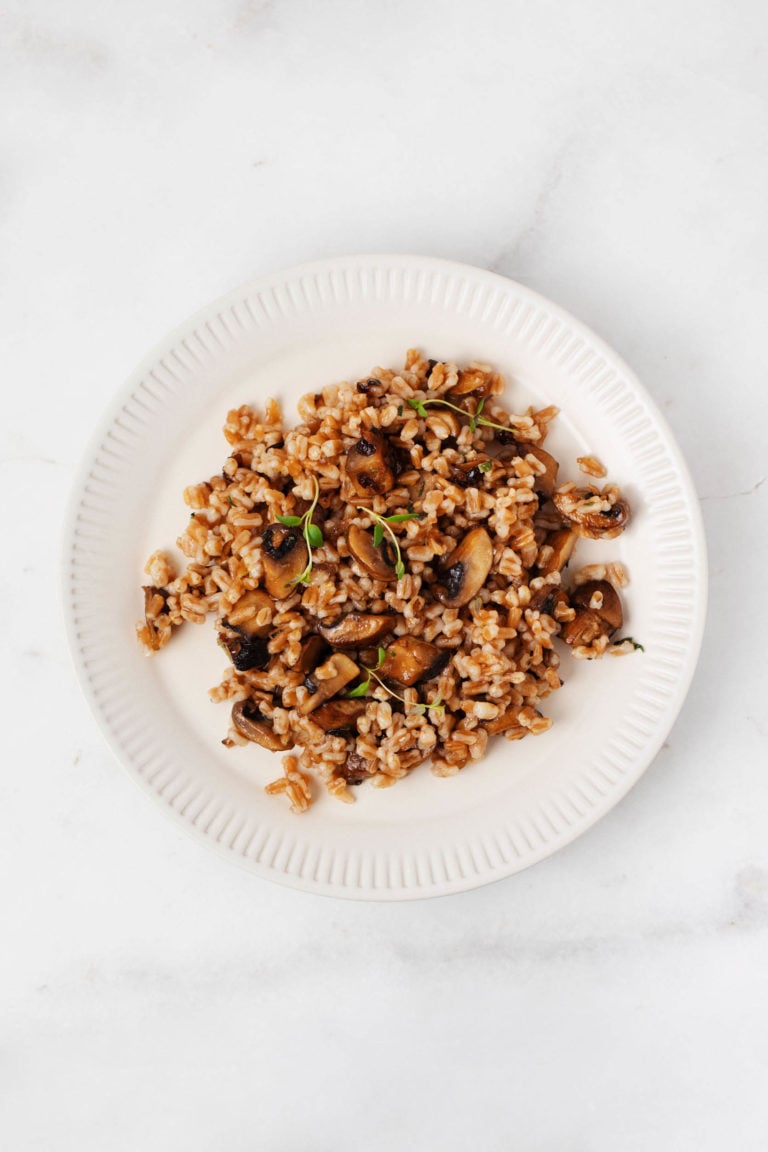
(357, 629)
(338, 717)
(543, 482)
(337, 671)
(376, 561)
(244, 612)
(562, 542)
(584, 629)
(470, 380)
(469, 474)
(355, 769)
(249, 722)
(467, 569)
(285, 556)
(546, 599)
(311, 653)
(409, 660)
(584, 507)
(371, 464)
(509, 723)
(245, 652)
(600, 597)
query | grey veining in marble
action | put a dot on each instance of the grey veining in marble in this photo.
(614, 156)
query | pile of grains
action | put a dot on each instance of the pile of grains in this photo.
(387, 577)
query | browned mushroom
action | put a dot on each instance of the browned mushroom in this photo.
(378, 562)
(543, 482)
(249, 722)
(562, 542)
(467, 569)
(510, 723)
(601, 597)
(355, 769)
(470, 380)
(371, 464)
(311, 653)
(244, 613)
(583, 507)
(337, 717)
(409, 660)
(337, 671)
(547, 598)
(470, 473)
(285, 556)
(598, 613)
(357, 629)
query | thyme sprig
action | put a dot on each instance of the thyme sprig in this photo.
(382, 525)
(475, 417)
(363, 688)
(313, 536)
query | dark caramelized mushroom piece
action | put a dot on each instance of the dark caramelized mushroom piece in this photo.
(337, 671)
(467, 569)
(355, 769)
(338, 717)
(313, 649)
(601, 597)
(598, 613)
(469, 473)
(409, 660)
(580, 507)
(249, 722)
(371, 464)
(378, 562)
(546, 599)
(285, 556)
(357, 629)
(245, 650)
(562, 542)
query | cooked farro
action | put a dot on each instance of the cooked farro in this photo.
(387, 576)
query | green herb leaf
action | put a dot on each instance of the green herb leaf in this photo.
(419, 709)
(382, 654)
(314, 536)
(289, 521)
(472, 424)
(486, 466)
(399, 409)
(400, 569)
(400, 517)
(378, 534)
(480, 406)
(361, 689)
(630, 640)
(229, 501)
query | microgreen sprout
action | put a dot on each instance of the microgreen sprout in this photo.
(383, 524)
(313, 537)
(475, 417)
(363, 688)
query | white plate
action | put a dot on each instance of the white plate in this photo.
(300, 330)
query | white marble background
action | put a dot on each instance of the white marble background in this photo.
(612, 155)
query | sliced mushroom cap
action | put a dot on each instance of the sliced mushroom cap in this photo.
(378, 562)
(584, 508)
(409, 660)
(249, 722)
(245, 652)
(244, 613)
(470, 380)
(338, 717)
(470, 473)
(562, 542)
(600, 597)
(312, 651)
(584, 629)
(510, 723)
(355, 769)
(546, 599)
(545, 481)
(285, 556)
(357, 629)
(328, 679)
(467, 569)
(371, 464)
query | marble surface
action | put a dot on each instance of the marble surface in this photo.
(613, 156)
